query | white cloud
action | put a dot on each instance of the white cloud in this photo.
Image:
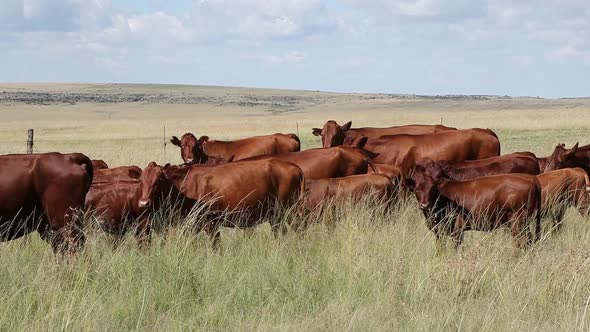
(292, 57)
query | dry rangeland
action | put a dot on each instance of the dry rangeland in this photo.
(375, 270)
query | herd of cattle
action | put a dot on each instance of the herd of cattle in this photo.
(459, 178)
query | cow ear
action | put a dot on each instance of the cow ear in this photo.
(175, 141)
(203, 139)
(573, 150)
(345, 127)
(362, 141)
(316, 131)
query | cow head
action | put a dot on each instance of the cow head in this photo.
(332, 134)
(191, 149)
(560, 157)
(151, 184)
(424, 183)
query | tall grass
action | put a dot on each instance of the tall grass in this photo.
(373, 269)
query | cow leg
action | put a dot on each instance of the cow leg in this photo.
(212, 229)
(458, 231)
(143, 232)
(519, 229)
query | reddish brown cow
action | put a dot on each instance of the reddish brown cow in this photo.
(519, 162)
(564, 188)
(353, 187)
(405, 151)
(195, 151)
(453, 207)
(248, 189)
(114, 196)
(334, 135)
(44, 192)
(326, 163)
(567, 158)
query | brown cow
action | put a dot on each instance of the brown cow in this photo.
(334, 135)
(405, 151)
(195, 151)
(247, 189)
(353, 187)
(453, 207)
(99, 164)
(326, 163)
(44, 192)
(519, 162)
(114, 197)
(564, 188)
(567, 158)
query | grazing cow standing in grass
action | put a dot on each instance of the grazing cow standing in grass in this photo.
(44, 192)
(405, 151)
(453, 207)
(195, 151)
(326, 163)
(519, 162)
(334, 135)
(114, 197)
(564, 188)
(246, 189)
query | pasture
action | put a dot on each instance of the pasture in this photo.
(373, 270)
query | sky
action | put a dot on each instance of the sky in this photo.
(500, 47)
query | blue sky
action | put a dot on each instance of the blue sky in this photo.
(533, 48)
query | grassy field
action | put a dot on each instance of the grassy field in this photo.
(374, 270)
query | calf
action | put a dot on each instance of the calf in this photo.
(114, 196)
(519, 162)
(195, 151)
(44, 192)
(326, 163)
(564, 188)
(334, 135)
(405, 151)
(248, 189)
(453, 207)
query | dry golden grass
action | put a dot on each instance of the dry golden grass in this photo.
(374, 271)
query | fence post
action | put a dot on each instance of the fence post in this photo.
(30, 141)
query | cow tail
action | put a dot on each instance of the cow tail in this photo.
(296, 138)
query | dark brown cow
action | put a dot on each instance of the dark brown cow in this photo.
(248, 189)
(353, 187)
(99, 164)
(405, 151)
(334, 135)
(564, 188)
(567, 158)
(44, 192)
(114, 197)
(195, 151)
(326, 163)
(486, 203)
(519, 162)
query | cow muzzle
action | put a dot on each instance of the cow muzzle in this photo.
(423, 206)
(188, 161)
(144, 203)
